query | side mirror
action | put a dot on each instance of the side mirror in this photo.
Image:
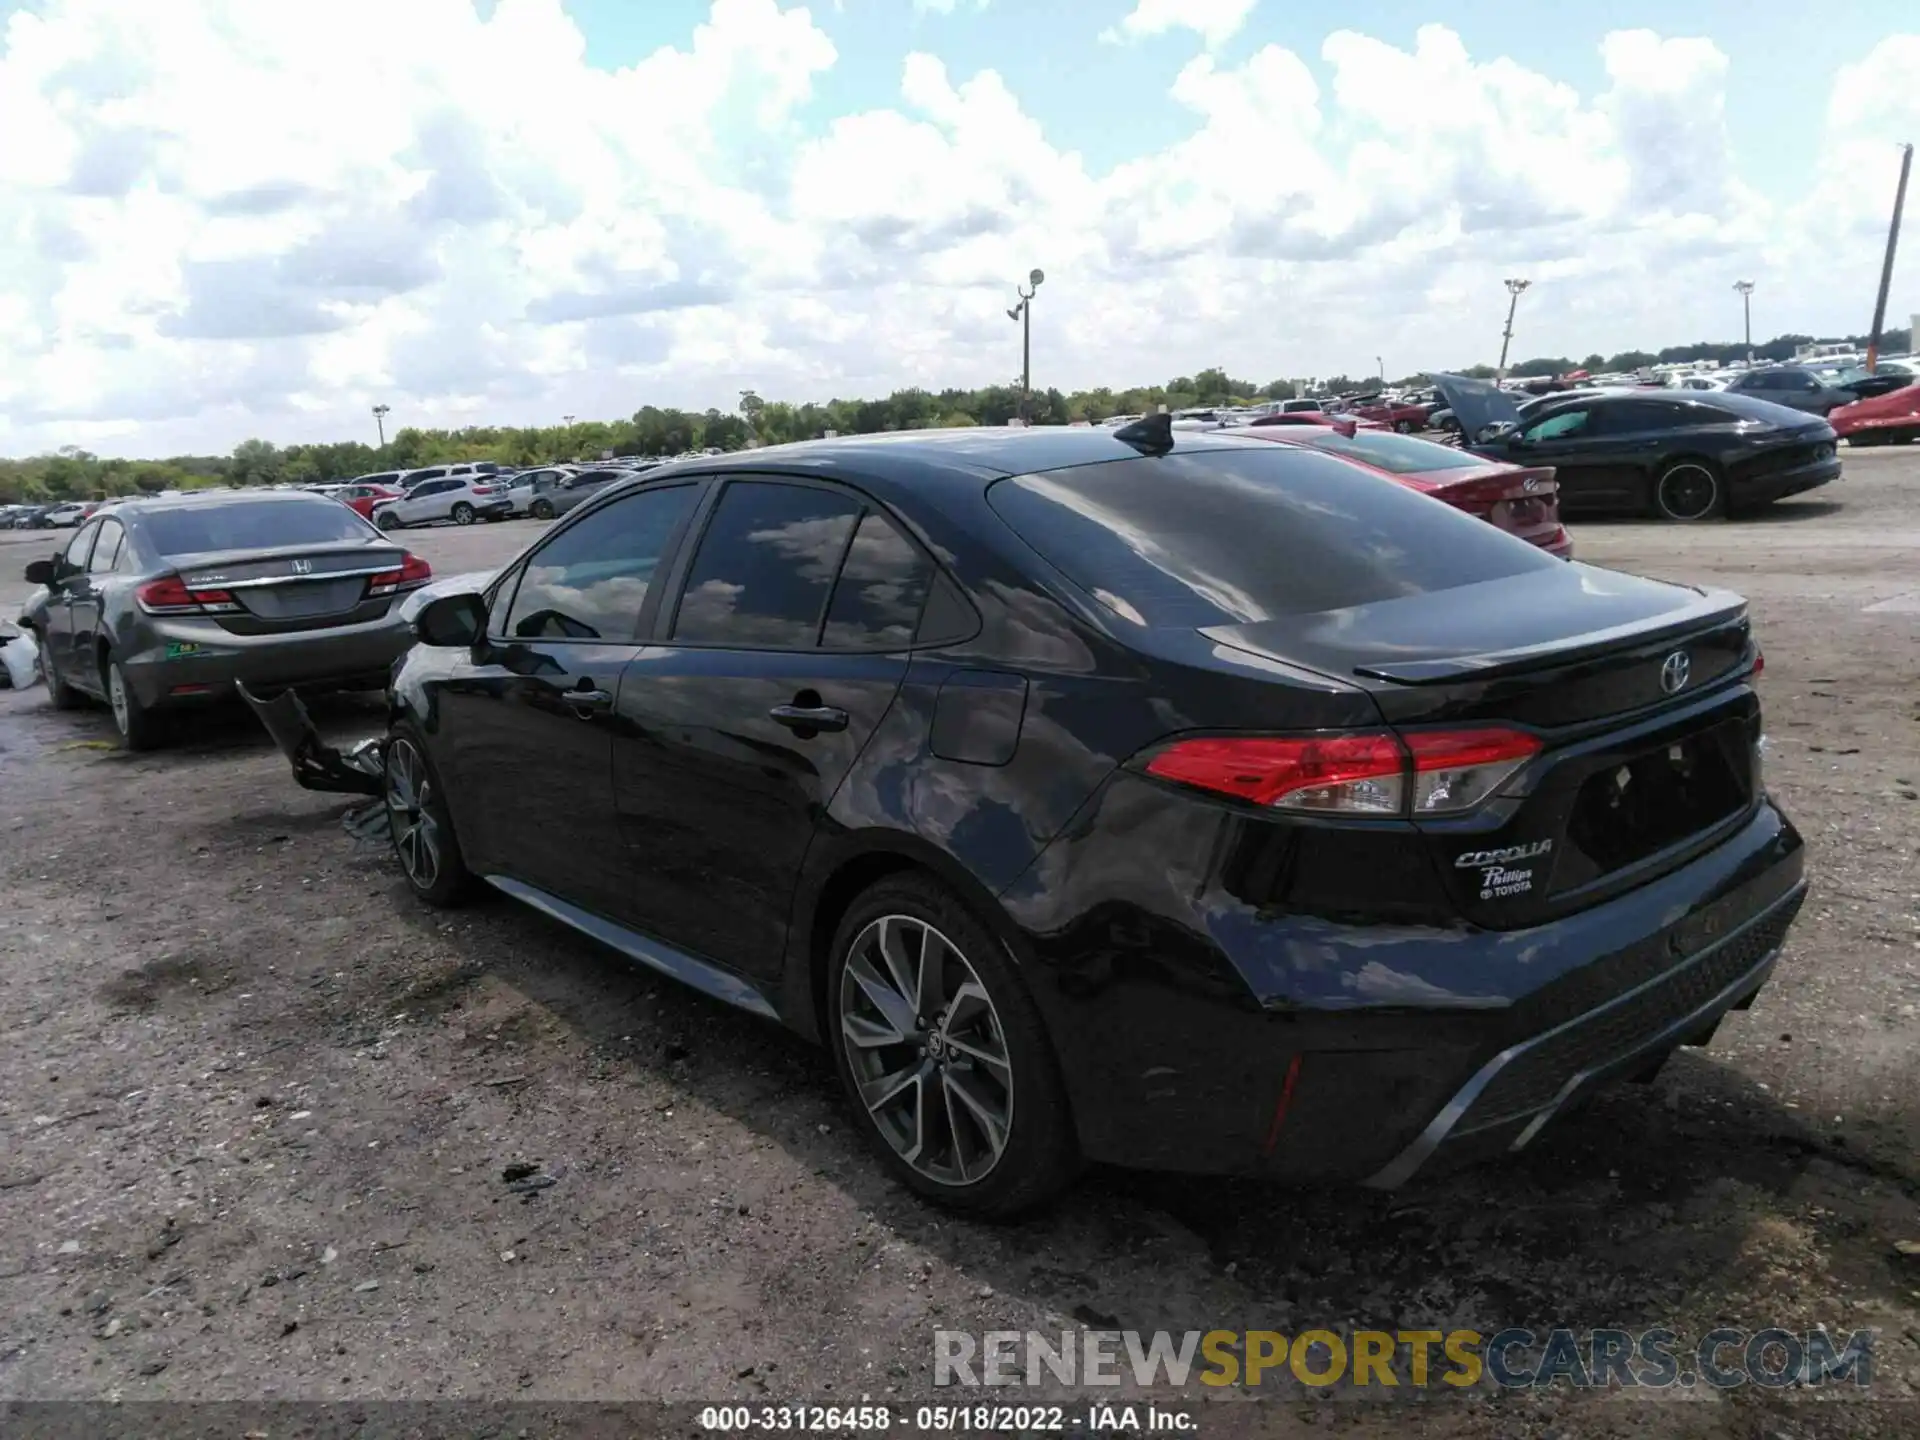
(40, 572)
(1345, 427)
(1501, 432)
(457, 621)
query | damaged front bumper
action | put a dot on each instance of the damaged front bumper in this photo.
(358, 770)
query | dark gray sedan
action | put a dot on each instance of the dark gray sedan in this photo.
(1794, 386)
(166, 603)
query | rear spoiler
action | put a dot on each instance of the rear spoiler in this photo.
(1716, 609)
(360, 770)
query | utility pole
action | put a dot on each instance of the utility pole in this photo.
(1886, 266)
(380, 420)
(1514, 287)
(1023, 312)
(1745, 287)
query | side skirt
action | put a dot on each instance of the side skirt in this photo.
(702, 975)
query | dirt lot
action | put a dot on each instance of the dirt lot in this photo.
(255, 1104)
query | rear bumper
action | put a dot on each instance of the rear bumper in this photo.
(1236, 1040)
(488, 509)
(346, 656)
(1778, 484)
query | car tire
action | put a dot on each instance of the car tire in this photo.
(139, 727)
(1688, 491)
(461, 514)
(542, 510)
(1403, 427)
(420, 824)
(388, 520)
(63, 695)
(1010, 1145)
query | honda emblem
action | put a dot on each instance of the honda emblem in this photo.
(303, 567)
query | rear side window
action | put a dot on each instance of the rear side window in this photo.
(761, 577)
(1242, 535)
(106, 549)
(1633, 417)
(876, 601)
(211, 525)
(590, 580)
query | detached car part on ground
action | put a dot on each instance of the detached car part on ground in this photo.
(165, 604)
(1681, 456)
(1190, 802)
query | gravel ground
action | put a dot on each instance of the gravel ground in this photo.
(256, 1104)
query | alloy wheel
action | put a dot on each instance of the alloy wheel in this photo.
(416, 834)
(117, 698)
(926, 1049)
(1688, 492)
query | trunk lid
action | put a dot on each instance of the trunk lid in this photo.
(1522, 500)
(294, 587)
(1646, 759)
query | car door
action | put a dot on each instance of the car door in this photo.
(69, 582)
(427, 501)
(777, 658)
(1585, 462)
(526, 728)
(84, 616)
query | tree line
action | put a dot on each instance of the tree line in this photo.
(72, 473)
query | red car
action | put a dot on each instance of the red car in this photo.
(1889, 419)
(361, 498)
(1398, 415)
(1523, 500)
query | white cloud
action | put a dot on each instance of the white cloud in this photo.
(203, 236)
(1214, 21)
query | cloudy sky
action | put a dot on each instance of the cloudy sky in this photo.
(226, 218)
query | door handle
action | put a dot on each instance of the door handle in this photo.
(586, 701)
(809, 717)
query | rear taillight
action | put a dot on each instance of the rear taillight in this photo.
(412, 574)
(172, 597)
(1375, 773)
(1759, 663)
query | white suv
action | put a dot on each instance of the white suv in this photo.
(463, 501)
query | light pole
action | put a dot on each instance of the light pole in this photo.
(1381, 365)
(1023, 312)
(380, 419)
(1886, 267)
(1514, 287)
(1745, 287)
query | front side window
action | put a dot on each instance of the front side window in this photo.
(590, 580)
(765, 566)
(1560, 426)
(75, 557)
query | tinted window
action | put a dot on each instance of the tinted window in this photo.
(876, 600)
(250, 525)
(77, 548)
(106, 549)
(764, 567)
(1243, 535)
(1399, 454)
(1625, 417)
(590, 580)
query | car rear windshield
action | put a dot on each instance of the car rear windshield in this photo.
(1242, 535)
(1399, 454)
(208, 526)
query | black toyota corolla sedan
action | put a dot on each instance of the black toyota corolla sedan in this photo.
(1180, 801)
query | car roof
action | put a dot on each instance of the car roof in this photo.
(960, 456)
(205, 499)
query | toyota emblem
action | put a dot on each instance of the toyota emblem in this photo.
(1674, 671)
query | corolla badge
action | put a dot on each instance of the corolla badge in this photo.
(1674, 671)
